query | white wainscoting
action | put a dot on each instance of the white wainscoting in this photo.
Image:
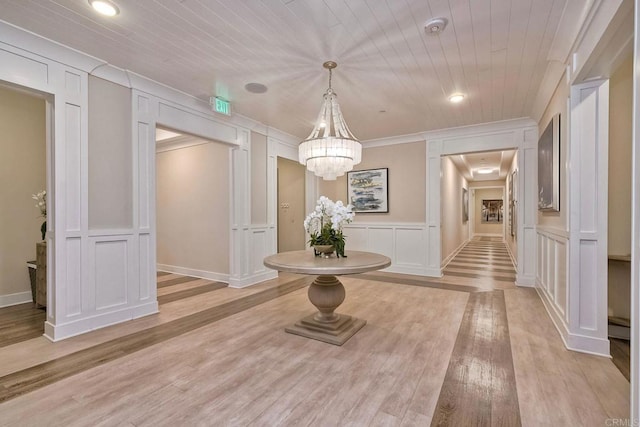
(404, 243)
(250, 270)
(552, 275)
(105, 289)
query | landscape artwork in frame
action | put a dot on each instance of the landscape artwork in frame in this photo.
(549, 167)
(513, 200)
(465, 205)
(368, 190)
(492, 211)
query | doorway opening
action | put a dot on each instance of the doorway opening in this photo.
(619, 214)
(478, 239)
(291, 205)
(192, 216)
(24, 118)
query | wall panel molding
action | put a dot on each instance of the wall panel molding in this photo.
(404, 243)
(518, 134)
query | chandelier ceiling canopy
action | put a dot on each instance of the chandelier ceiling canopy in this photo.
(331, 149)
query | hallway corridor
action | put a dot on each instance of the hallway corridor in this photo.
(483, 262)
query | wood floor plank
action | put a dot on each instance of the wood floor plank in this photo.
(480, 268)
(483, 260)
(182, 286)
(21, 322)
(503, 278)
(187, 293)
(419, 282)
(236, 366)
(22, 382)
(557, 386)
(479, 387)
(176, 281)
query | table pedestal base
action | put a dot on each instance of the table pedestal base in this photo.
(326, 293)
(336, 333)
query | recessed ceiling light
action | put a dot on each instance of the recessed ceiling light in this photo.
(105, 7)
(484, 171)
(255, 88)
(456, 97)
(435, 26)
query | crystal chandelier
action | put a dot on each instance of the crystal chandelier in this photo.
(331, 149)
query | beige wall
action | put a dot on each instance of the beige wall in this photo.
(558, 104)
(620, 127)
(455, 231)
(291, 209)
(110, 156)
(193, 207)
(258, 178)
(407, 182)
(486, 193)
(512, 241)
(620, 179)
(22, 173)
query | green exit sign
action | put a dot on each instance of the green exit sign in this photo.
(222, 106)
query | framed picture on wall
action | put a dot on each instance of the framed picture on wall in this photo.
(492, 211)
(465, 205)
(368, 190)
(549, 167)
(513, 211)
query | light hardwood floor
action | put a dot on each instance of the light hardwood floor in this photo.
(221, 368)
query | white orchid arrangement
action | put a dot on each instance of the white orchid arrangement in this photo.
(325, 223)
(41, 199)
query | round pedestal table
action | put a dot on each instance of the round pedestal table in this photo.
(326, 292)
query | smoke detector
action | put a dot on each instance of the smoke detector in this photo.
(435, 26)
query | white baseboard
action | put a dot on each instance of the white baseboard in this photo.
(452, 255)
(203, 274)
(252, 280)
(416, 270)
(433, 272)
(575, 342)
(15, 299)
(513, 259)
(525, 282)
(98, 321)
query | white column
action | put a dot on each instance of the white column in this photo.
(588, 177)
(434, 237)
(527, 208)
(240, 210)
(67, 183)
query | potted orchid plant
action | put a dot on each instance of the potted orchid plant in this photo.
(324, 226)
(41, 199)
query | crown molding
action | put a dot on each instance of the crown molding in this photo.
(19, 38)
(393, 140)
(180, 142)
(457, 132)
(283, 137)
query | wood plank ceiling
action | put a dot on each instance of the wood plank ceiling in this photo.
(392, 77)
